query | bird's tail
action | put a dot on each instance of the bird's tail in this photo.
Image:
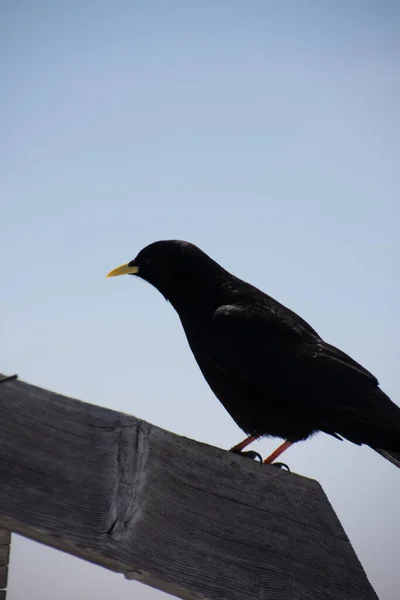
(394, 457)
(374, 422)
(388, 418)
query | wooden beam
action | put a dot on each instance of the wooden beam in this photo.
(192, 520)
(5, 540)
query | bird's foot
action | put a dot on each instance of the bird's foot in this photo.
(248, 454)
(255, 455)
(281, 465)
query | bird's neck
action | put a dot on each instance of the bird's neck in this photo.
(201, 299)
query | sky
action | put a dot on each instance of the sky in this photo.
(266, 133)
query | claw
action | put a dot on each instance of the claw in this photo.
(248, 454)
(281, 465)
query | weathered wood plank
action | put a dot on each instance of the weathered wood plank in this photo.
(4, 555)
(3, 577)
(187, 518)
(5, 540)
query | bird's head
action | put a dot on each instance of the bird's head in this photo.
(178, 269)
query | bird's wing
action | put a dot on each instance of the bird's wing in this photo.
(258, 346)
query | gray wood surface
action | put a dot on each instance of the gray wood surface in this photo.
(5, 539)
(3, 577)
(184, 517)
(4, 555)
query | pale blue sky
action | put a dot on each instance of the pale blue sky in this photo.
(268, 134)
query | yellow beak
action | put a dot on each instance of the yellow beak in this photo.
(123, 270)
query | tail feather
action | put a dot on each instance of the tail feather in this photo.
(393, 457)
(375, 421)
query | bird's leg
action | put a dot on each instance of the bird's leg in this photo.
(280, 450)
(238, 449)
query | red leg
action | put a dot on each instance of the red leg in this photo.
(277, 452)
(239, 447)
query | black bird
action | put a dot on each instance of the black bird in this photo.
(270, 369)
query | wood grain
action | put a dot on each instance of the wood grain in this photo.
(193, 520)
(5, 540)
(3, 577)
(4, 555)
(5, 536)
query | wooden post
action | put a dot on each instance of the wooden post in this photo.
(5, 540)
(192, 520)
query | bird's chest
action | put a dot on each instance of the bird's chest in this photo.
(250, 386)
(240, 398)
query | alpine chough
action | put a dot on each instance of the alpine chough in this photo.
(270, 369)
